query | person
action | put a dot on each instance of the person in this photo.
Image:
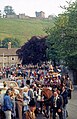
(64, 94)
(30, 92)
(39, 97)
(4, 88)
(19, 103)
(26, 99)
(30, 114)
(1, 97)
(13, 95)
(57, 103)
(7, 106)
(69, 86)
(1, 105)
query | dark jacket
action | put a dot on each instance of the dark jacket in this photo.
(65, 97)
(59, 102)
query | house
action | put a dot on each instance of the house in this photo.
(23, 16)
(13, 16)
(40, 14)
(8, 56)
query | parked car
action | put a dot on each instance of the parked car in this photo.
(9, 84)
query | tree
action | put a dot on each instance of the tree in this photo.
(33, 51)
(9, 10)
(0, 13)
(64, 36)
(15, 43)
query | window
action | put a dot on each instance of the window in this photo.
(12, 58)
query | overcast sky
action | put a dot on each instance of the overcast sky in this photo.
(30, 6)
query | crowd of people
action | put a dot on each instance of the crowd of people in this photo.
(42, 89)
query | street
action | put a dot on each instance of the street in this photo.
(72, 106)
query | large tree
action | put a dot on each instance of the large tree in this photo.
(64, 36)
(33, 51)
(9, 10)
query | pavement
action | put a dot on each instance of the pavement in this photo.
(72, 105)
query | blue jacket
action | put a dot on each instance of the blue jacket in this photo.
(7, 103)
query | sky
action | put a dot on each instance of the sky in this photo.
(29, 7)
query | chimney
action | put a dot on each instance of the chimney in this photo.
(9, 45)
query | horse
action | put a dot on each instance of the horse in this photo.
(47, 93)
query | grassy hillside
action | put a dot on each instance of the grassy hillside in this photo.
(23, 30)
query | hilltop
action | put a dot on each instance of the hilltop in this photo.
(23, 29)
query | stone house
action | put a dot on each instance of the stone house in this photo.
(8, 56)
(13, 16)
(40, 14)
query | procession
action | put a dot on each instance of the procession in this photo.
(38, 90)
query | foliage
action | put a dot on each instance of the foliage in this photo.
(33, 51)
(64, 36)
(9, 10)
(14, 43)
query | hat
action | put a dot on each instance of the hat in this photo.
(32, 103)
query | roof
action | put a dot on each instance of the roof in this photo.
(6, 51)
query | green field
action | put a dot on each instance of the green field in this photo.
(23, 30)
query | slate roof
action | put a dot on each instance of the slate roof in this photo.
(8, 52)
